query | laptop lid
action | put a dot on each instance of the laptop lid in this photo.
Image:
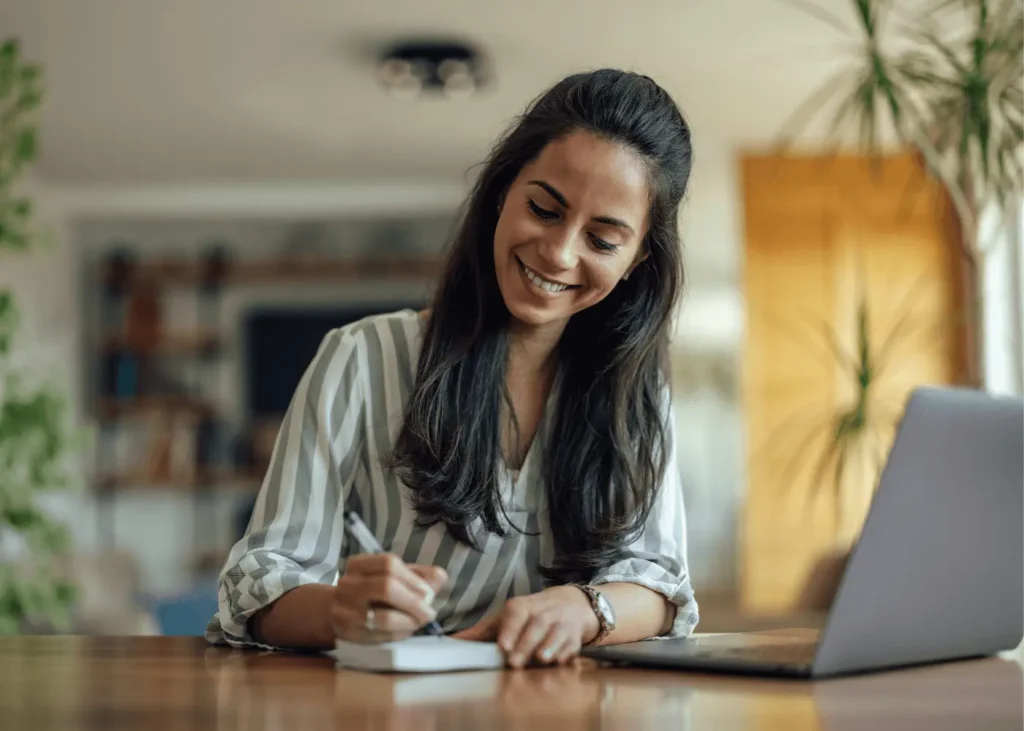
(938, 571)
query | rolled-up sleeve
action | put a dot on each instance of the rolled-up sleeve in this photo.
(294, 534)
(656, 559)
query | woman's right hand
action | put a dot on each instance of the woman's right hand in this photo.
(399, 594)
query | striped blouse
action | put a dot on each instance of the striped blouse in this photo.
(343, 420)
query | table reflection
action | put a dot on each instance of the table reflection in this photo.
(267, 692)
(978, 694)
(272, 691)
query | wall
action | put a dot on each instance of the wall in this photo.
(705, 360)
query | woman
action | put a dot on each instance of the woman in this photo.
(512, 449)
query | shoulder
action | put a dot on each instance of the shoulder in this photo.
(386, 340)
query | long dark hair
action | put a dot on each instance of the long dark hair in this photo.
(603, 474)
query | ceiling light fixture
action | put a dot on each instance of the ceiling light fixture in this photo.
(413, 68)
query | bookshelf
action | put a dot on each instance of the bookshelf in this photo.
(139, 357)
(171, 317)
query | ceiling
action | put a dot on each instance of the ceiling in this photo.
(193, 91)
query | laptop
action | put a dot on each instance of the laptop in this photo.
(937, 573)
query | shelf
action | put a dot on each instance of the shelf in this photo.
(150, 406)
(290, 271)
(180, 343)
(249, 481)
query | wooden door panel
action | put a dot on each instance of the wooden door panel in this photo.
(819, 233)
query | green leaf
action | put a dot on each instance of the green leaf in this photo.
(9, 621)
(29, 100)
(9, 50)
(8, 321)
(26, 145)
(30, 73)
(65, 593)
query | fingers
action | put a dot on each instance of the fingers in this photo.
(388, 624)
(544, 640)
(435, 576)
(567, 652)
(535, 631)
(388, 564)
(553, 646)
(513, 620)
(400, 595)
(393, 593)
(387, 597)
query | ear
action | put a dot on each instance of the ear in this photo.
(636, 262)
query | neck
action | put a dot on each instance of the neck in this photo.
(532, 349)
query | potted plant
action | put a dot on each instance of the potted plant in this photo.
(35, 439)
(945, 80)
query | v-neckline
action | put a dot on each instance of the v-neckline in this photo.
(538, 436)
(515, 474)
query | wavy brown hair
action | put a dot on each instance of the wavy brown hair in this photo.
(603, 474)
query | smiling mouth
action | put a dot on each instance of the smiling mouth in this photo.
(546, 284)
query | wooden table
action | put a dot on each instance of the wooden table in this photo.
(152, 683)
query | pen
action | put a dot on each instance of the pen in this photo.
(358, 530)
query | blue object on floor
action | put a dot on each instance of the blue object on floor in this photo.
(186, 614)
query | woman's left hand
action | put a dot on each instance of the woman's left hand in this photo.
(550, 626)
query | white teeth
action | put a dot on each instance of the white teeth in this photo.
(543, 283)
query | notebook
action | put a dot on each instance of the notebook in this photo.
(418, 654)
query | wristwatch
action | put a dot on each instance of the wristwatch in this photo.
(602, 608)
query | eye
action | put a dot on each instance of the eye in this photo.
(542, 213)
(601, 244)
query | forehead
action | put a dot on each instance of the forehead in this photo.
(593, 172)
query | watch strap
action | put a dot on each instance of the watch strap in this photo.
(604, 628)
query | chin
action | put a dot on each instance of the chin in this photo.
(535, 316)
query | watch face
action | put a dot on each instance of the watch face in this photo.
(606, 610)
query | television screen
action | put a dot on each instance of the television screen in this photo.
(280, 343)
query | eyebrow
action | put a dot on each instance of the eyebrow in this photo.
(557, 195)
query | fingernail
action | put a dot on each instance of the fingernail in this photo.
(515, 661)
(546, 654)
(429, 595)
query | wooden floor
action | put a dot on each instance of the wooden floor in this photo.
(156, 683)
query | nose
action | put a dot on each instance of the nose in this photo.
(558, 249)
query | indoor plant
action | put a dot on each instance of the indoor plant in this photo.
(35, 439)
(944, 80)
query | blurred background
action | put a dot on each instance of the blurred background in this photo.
(193, 193)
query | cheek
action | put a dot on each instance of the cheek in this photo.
(500, 231)
(604, 275)
(513, 230)
(506, 237)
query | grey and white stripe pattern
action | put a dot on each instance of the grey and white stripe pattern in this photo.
(343, 420)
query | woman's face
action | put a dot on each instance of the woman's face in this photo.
(570, 228)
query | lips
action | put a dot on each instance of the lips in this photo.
(542, 283)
